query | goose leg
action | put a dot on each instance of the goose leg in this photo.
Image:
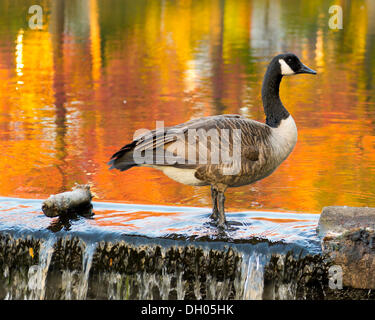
(215, 211)
(221, 199)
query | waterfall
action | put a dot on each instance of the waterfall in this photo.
(38, 273)
(253, 272)
(69, 283)
(86, 266)
(29, 283)
(71, 268)
(75, 283)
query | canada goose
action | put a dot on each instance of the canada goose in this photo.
(257, 148)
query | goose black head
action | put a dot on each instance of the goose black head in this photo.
(290, 65)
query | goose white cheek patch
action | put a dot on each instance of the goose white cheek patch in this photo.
(285, 69)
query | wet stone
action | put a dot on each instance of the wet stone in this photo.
(289, 277)
(349, 241)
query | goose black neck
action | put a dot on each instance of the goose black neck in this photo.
(273, 107)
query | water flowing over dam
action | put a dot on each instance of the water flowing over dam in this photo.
(263, 255)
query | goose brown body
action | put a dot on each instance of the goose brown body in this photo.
(262, 146)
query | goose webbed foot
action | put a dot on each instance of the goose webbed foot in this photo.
(214, 215)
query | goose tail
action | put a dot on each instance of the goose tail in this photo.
(123, 159)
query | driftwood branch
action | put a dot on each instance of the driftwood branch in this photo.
(76, 201)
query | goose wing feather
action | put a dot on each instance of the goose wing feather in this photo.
(176, 143)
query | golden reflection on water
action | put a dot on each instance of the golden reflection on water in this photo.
(74, 92)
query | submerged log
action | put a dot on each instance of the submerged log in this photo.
(76, 201)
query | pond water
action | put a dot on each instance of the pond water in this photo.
(74, 92)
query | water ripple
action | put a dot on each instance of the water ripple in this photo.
(172, 222)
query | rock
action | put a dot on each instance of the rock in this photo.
(355, 253)
(349, 241)
(305, 278)
(335, 219)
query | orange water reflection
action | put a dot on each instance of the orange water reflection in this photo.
(74, 92)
